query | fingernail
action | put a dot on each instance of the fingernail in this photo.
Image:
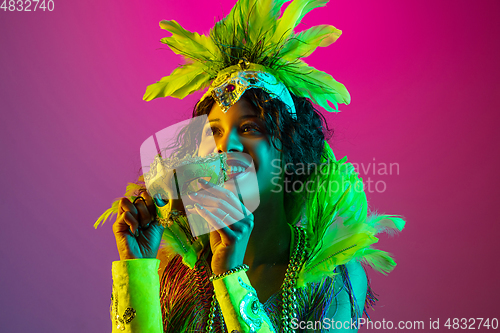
(193, 194)
(137, 232)
(203, 181)
(197, 205)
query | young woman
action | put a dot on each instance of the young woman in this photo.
(293, 264)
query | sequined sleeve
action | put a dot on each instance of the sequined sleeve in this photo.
(240, 306)
(135, 302)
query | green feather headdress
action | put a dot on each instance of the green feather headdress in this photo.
(254, 33)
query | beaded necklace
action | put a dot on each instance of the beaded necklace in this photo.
(288, 297)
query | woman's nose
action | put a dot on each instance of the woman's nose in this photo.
(229, 142)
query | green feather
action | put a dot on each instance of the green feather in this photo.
(389, 224)
(379, 260)
(107, 214)
(338, 199)
(320, 87)
(183, 81)
(262, 19)
(176, 240)
(292, 16)
(187, 43)
(134, 189)
(307, 41)
(337, 226)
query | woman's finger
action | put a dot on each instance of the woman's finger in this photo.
(216, 203)
(224, 195)
(126, 223)
(144, 216)
(126, 206)
(227, 235)
(237, 225)
(149, 203)
(227, 219)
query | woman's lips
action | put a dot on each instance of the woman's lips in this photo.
(238, 164)
(235, 171)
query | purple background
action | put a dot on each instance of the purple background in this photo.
(424, 80)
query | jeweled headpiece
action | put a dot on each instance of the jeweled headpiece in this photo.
(253, 47)
(230, 85)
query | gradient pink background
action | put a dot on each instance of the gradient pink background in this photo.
(424, 80)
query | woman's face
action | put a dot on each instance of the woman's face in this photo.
(242, 134)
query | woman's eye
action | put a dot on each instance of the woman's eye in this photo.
(250, 128)
(210, 131)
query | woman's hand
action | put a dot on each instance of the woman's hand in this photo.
(232, 222)
(137, 233)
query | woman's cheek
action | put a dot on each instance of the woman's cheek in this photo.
(207, 146)
(270, 172)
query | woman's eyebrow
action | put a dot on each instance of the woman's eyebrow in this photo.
(242, 117)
